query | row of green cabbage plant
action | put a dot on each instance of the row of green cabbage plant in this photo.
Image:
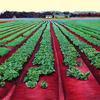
(12, 67)
(70, 56)
(90, 52)
(44, 60)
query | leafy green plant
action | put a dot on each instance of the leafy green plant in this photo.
(89, 51)
(16, 41)
(74, 72)
(70, 56)
(43, 58)
(3, 51)
(96, 60)
(44, 84)
(12, 67)
(83, 33)
(2, 84)
(69, 52)
(31, 84)
(79, 63)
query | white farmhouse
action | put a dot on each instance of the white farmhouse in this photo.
(48, 16)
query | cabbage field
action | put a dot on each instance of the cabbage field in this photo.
(50, 59)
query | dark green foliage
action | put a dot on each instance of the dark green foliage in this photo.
(44, 84)
(12, 67)
(43, 58)
(74, 72)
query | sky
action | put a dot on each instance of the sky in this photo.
(49, 5)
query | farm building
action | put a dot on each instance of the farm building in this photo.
(48, 16)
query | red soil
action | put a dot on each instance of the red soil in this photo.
(10, 87)
(22, 92)
(23, 73)
(5, 90)
(81, 90)
(69, 88)
(82, 39)
(29, 64)
(10, 93)
(76, 89)
(8, 55)
(57, 63)
(95, 72)
(51, 93)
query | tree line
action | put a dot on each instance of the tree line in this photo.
(11, 14)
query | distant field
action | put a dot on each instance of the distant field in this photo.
(50, 59)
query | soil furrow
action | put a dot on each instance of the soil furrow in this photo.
(81, 38)
(78, 89)
(57, 63)
(8, 55)
(94, 71)
(22, 91)
(23, 72)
